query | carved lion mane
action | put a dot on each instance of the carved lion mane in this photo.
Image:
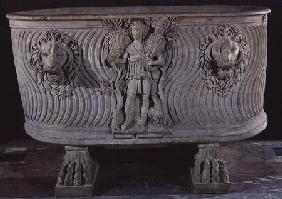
(224, 59)
(54, 57)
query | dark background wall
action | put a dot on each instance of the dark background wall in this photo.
(11, 113)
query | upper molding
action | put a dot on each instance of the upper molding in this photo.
(90, 13)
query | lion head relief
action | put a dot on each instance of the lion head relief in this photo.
(55, 58)
(224, 59)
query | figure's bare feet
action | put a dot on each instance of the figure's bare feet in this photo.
(134, 129)
(137, 129)
(142, 128)
(115, 129)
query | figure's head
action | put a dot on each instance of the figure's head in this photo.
(139, 29)
(225, 53)
(53, 56)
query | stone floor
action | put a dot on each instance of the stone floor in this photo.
(28, 169)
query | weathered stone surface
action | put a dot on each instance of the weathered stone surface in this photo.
(193, 74)
(143, 75)
(209, 174)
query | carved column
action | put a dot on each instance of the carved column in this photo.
(78, 173)
(209, 174)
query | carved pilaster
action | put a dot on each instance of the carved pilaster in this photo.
(78, 173)
(209, 174)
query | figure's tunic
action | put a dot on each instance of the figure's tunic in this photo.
(138, 73)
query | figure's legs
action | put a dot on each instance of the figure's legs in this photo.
(156, 112)
(117, 112)
(131, 93)
(155, 95)
(78, 173)
(157, 103)
(128, 111)
(209, 174)
(144, 111)
(145, 103)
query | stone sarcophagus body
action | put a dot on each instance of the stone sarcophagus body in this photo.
(142, 75)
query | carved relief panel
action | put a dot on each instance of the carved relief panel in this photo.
(138, 77)
(135, 53)
(140, 55)
(188, 76)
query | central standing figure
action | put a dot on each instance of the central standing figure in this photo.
(138, 76)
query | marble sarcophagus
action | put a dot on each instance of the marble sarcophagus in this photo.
(141, 75)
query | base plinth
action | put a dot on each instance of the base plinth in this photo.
(78, 173)
(209, 174)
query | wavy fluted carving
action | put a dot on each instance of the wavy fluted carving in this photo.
(187, 103)
(79, 109)
(188, 100)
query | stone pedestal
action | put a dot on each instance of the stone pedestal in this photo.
(78, 173)
(209, 174)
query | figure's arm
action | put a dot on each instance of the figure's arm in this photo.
(117, 60)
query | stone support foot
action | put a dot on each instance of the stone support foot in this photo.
(209, 174)
(78, 173)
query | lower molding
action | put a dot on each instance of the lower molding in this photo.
(103, 136)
